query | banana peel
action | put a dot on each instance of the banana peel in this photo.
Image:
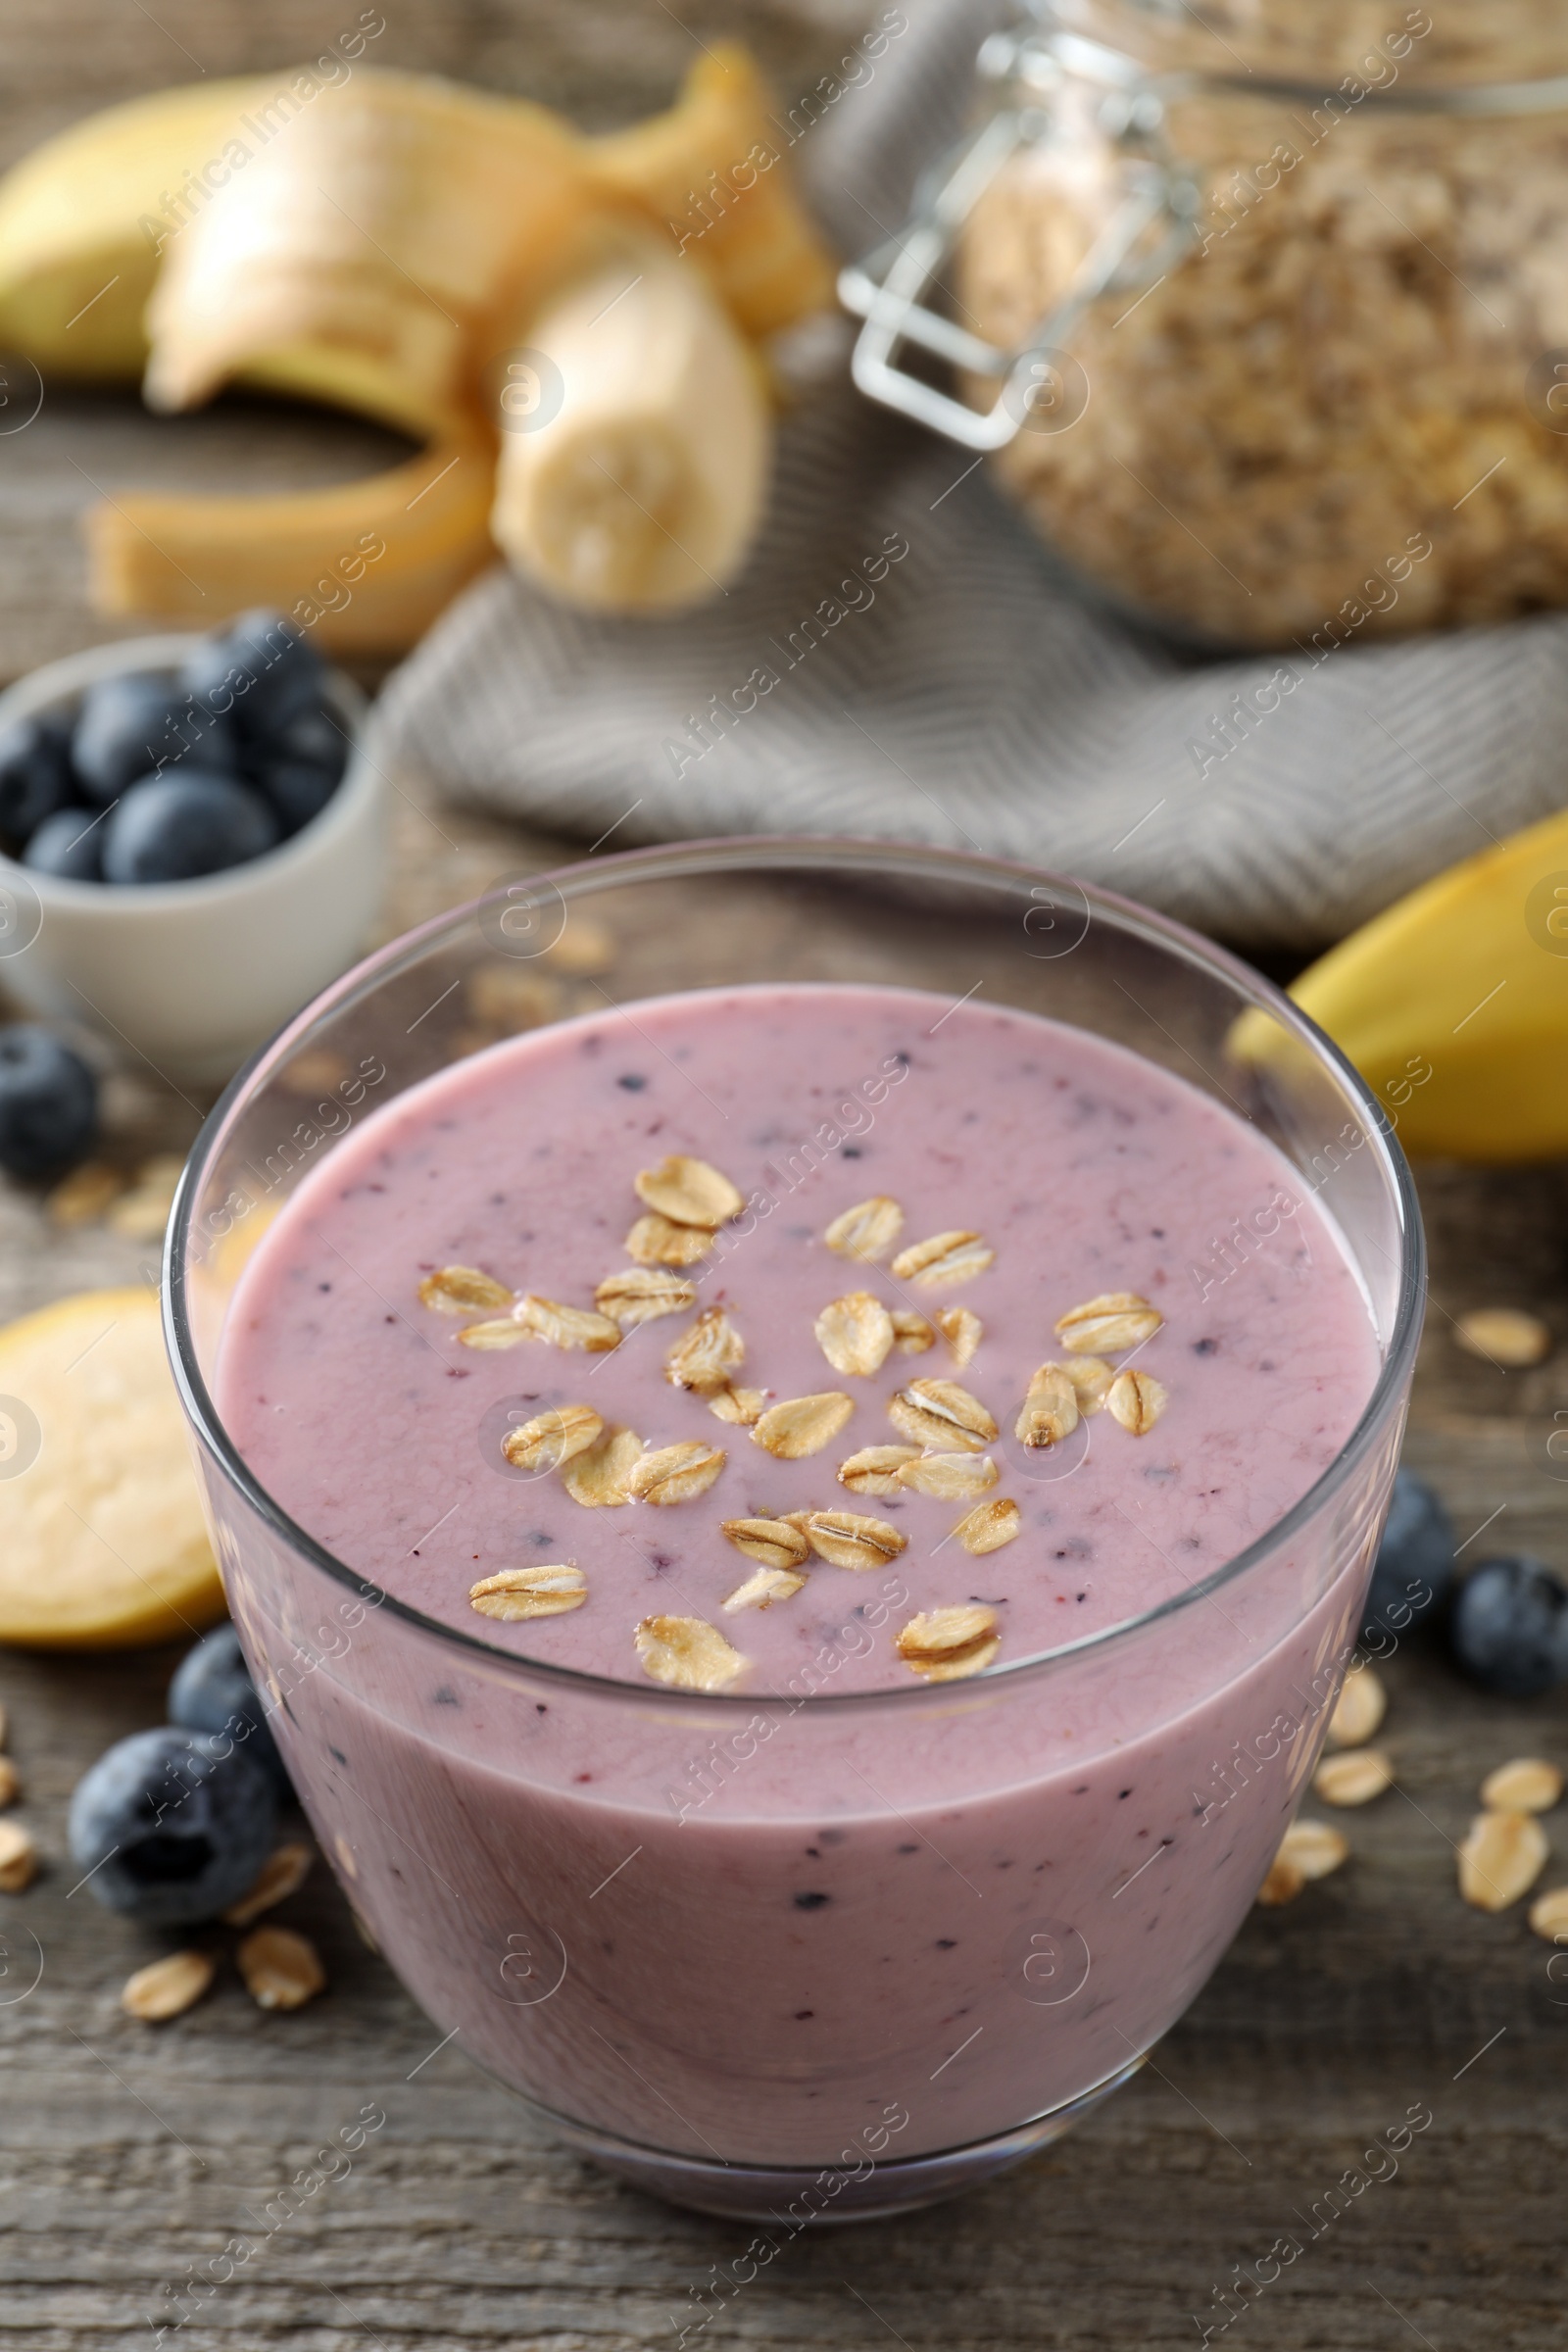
(708, 173)
(377, 243)
(368, 565)
(1453, 1003)
(83, 225)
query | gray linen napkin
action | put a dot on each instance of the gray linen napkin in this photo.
(903, 659)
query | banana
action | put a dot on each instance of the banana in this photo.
(1453, 1003)
(710, 172)
(84, 219)
(102, 1544)
(360, 259)
(369, 564)
(384, 242)
(637, 475)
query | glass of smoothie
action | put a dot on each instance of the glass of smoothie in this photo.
(796, 1432)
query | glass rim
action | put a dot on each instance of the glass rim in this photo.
(828, 855)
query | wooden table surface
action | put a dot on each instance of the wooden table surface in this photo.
(128, 2156)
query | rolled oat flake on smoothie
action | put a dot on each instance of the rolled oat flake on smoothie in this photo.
(518, 1592)
(946, 1645)
(687, 1652)
(689, 1192)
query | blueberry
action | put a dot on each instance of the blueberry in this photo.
(1416, 1559)
(1509, 1628)
(173, 1825)
(212, 1692)
(315, 738)
(296, 793)
(69, 844)
(262, 670)
(172, 828)
(48, 1102)
(35, 777)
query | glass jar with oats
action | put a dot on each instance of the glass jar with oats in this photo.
(1261, 307)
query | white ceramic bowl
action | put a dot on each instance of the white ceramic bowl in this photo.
(193, 975)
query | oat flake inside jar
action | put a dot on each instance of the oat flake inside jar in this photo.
(1277, 297)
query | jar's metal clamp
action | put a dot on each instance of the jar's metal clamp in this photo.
(889, 288)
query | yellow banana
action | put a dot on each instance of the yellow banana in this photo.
(359, 259)
(369, 565)
(637, 471)
(1453, 1003)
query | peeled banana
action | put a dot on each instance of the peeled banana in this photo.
(360, 259)
(1453, 1003)
(636, 480)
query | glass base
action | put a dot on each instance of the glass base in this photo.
(793, 2196)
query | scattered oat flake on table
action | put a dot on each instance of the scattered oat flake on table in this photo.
(1524, 1784)
(777, 1543)
(516, 1593)
(944, 1257)
(142, 1213)
(167, 1988)
(1500, 1859)
(687, 1652)
(945, 1645)
(765, 1585)
(989, 1526)
(875, 1469)
(462, 1290)
(642, 1294)
(689, 1192)
(942, 1416)
(1548, 1914)
(802, 1424)
(867, 1231)
(659, 1242)
(1359, 1709)
(84, 1195)
(282, 1874)
(10, 1782)
(551, 1438)
(855, 1333)
(601, 1478)
(1503, 1334)
(1283, 1881)
(281, 1967)
(19, 1858)
(1354, 1778)
(676, 1473)
(1109, 1325)
(505, 999)
(584, 948)
(1136, 1400)
(1313, 1847)
(1050, 1409)
(703, 1357)
(850, 1539)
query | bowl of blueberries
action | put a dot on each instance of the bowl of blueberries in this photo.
(192, 842)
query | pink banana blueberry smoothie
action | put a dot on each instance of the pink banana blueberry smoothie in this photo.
(806, 1858)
